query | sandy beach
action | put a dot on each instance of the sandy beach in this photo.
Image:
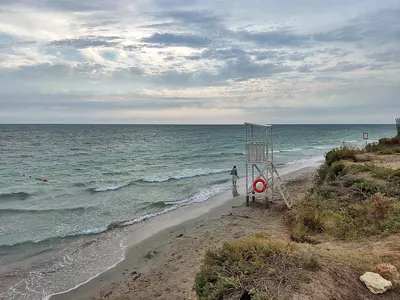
(162, 264)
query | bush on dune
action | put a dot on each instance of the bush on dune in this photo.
(349, 200)
(264, 267)
(342, 153)
(385, 146)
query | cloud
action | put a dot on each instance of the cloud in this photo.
(392, 55)
(151, 60)
(345, 66)
(170, 39)
(86, 42)
(244, 69)
(382, 26)
(274, 38)
(65, 5)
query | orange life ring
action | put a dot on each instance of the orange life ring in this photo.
(264, 185)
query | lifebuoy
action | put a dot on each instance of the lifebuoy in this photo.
(259, 185)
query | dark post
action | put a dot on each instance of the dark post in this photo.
(398, 126)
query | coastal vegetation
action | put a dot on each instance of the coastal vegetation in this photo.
(355, 197)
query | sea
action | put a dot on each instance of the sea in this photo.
(66, 190)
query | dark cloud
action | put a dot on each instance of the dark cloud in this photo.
(382, 27)
(345, 66)
(335, 52)
(223, 54)
(82, 6)
(177, 3)
(278, 38)
(244, 69)
(159, 25)
(86, 102)
(305, 69)
(86, 42)
(201, 22)
(65, 5)
(193, 17)
(392, 55)
(170, 39)
(345, 34)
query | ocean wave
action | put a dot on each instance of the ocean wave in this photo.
(184, 174)
(166, 206)
(40, 211)
(108, 188)
(14, 196)
(8, 248)
(306, 161)
(292, 150)
(158, 204)
(201, 196)
(297, 161)
(111, 173)
(190, 173)
(322, 147)
(351, 141)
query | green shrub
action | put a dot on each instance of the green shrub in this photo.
(336, 170)
(313, 264)
(390, 141)
(391, 225)
(256, 264)
(324, 191)
(385, 152)
(321, 174)
(359, 168)
(367, 187)
(343, 153)
(372, 147)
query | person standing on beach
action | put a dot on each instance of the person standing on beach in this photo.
(234, 175)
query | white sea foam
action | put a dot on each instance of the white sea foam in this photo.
(293, 150)
(109, 188)
(189, 173)
(201, 196)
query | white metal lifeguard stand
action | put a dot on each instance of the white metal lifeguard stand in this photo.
(259, 158)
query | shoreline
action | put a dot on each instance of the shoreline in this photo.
(158, 233)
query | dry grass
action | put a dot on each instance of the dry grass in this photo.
(349, 201)
(265, 268)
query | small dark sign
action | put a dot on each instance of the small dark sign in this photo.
(365, 135)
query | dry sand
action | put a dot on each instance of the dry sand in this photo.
(164, 265)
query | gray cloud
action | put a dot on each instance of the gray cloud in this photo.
(310, 59)
(274, 38)
(66, 5)
(86, 42)
(382, 26)
(170, 39)
(223, 54)
(203, 18)
(345, 66)
(392, 55)
(86, 102)
(243, 69)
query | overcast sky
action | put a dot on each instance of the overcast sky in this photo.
(192, 61)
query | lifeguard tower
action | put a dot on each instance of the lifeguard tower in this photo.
(262, 178)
